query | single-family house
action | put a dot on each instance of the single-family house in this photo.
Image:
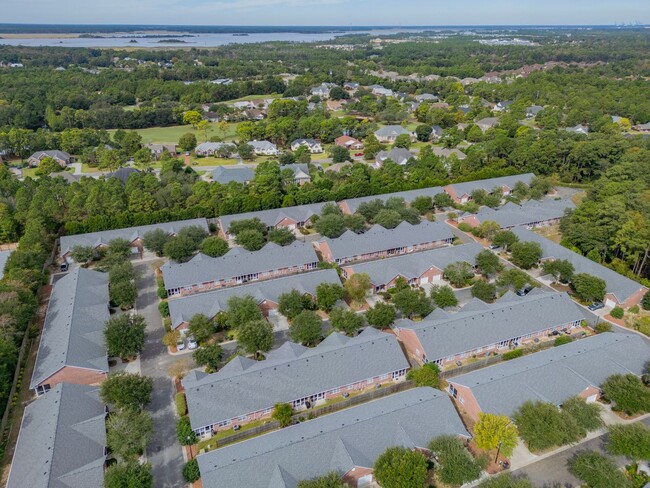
(72, 347)
(480, 329)
(350, 86)
(228, 174)
(275, 218)
(397, 155)
(243, 105)
(62, 440)
(210, 148)
(390, 132)
(378, 242)
(553, 375)
(222, 81)
(322, 90)
(254, 114)
(642, 127)
(533, 110)
(380, 91)
(211, 116)
(443, 152)
(264, 148)
(349, 143)
(436, 132)
(335, 105)
(266, 293)
(621, 290)
(245, 390)
(487, 123)
(131, 234)
(578, 129)
(61, 157)
(347, 442)
(301, 174)
(122, 173)
(426, 97)
(157, 150)
(419, 268)
(311, 144)
(502, 106)
(237, 267)
(462, 192)
(531, 213)
(351, 205)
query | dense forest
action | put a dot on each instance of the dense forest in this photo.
(72, 109)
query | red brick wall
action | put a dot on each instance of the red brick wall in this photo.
(589, 391)
(325, 250)
(286, 222)
(635, 299)
(352, 477)
(412, 343)
(465, 400)
(79, 376)
(345, 208)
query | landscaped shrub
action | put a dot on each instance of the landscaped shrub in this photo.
(634, 309)
(181, 405)
(191, 471)
(617, 313)
(162, 293)
(465, 227)
(603, 327)
(163, 308)
(565, 339)
(515, 353)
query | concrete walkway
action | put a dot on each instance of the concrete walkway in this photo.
(164, 452)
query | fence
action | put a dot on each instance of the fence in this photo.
(317, 412)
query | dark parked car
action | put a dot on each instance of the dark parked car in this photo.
(596, 306)
(524, 291)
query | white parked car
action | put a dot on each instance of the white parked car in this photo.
(191, 343)
(180, 344)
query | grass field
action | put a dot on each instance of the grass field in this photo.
(172, 134)
(254, 97)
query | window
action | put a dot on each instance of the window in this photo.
(453, 391)
(335, 391)
(241, 418)
(42, 389)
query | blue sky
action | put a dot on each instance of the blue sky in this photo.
(326, 12)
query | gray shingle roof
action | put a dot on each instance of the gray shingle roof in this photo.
(480, 324)
(236, 263)
(56, 154)
(4, 257)
(274, 216)
(226, 174)
(556, 374)
(289, 373)
(408, 196)
(74, 325)
(488, 185)
(511, 214)
(211, 303)
(391, 131)
(413, 265)
(122, 174)
(337, 442)
(61, 442)
(398, 155)
(377, 239)
(618, 285)
(104, 237)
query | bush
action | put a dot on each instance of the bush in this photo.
(427, 375)
(181, 405)
(401, 467)
(465, 227)
(542, 426)
(597, 470)
(484, 291)
(617, 313)
(628, 393)
(186, 436)
(603, 327)
(506, 481)
(631, 441)
(163, 308)
(634, 309)
(515, 353)
(191, 471)
(457, 464)
(586, 415)
(565, 339)
(162, 293)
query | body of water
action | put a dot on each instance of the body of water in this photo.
(194, 40)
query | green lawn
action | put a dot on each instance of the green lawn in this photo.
(254, 97)
(212, 161)
(212, 443)
(173, 133)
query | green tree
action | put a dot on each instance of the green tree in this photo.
(330, 225)
(412, 302)
(371, 146)
(214, 246)
(187, 142)
(283, 413)
(118, 250)
(513, 278)
(255, 337)
(496, 432)
(403, 141)
(483, 290)
(209, 356)
(194, 233)
(526, 254)
(542, 426)
(184, 433)
(201, 327)
(290, 304)
(127, 390)
(179, 248)
(155, 240)
(130, 475)
(128, 433)
(124, 335)
(459, 273)
(339, 154)
(627, 393)
(281, 236)
(330, 480)
(191, 472)
(586, 415)
(143, 159)
(400, 467)
(457, 466)
(488, 263)
(251, 240)
(238, 226)
(645, 301)
(443, 296)
(387, 218)
(560, 269)
(631, 441)
(306, 328)
(588, 287)
(423, 132)
(246, 152)
(427, 375)
(327, 294)
(346, 321)
(192, 117)
(242, 310)
(422, 204)
(83, 254)
(47, 166)
(504, 239)
(597, 471)
(381, 316)
(357, 286)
